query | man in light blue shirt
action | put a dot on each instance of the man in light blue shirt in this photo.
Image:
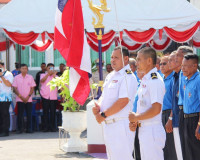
(169, 150)
(172, 124)
(191, 109)
(182, 50)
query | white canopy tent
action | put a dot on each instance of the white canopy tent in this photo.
(29, 15)
(144, 14)
(39, 15)
(153, 16)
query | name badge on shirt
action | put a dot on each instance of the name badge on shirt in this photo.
(177, 95)
(114, 81)
(143, 86)
(142, 103)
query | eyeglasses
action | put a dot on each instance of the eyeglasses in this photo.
(163, 64)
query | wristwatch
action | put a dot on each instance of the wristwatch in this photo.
(103, 114)
(170, 118)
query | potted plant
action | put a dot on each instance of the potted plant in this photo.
(74, 120)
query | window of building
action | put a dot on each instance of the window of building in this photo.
(31, 57)
(58, 59)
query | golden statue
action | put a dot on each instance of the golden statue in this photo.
(96, 10)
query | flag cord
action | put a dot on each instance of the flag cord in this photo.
(120, 43)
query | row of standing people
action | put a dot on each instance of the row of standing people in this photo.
(166, 108)
(23, 86)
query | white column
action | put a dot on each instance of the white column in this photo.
(49, 55)
(12, 56)
(3, 57)
(196, 3)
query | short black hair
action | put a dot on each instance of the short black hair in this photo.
(108, 64)
(193, 57)
(43, 63)
(124, 50)
(23, 65)
(149, 53)
(50, 64)
(17, 65)
(1, 62)
(62, 64)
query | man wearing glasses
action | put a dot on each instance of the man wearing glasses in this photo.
(169, 149)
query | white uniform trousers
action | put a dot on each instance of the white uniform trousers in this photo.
(177, 143)
(119, 140)
(152, 141)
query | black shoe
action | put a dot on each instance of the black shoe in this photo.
(4, 134)
(53, 130)
(19, 132)
(29, 131)
(45, 130)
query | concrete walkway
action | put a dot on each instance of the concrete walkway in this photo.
(36, 146)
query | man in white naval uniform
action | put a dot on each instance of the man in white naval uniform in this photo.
(114, 105)
(151, 92)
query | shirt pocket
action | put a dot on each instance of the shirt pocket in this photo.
(191, 93)
(29, 84)
(143, 97)
(112, 85)
(113, 89)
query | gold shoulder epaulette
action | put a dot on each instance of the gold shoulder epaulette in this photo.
(128, 71)
(154, 76)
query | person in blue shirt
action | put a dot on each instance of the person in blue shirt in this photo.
(132, 63)
(191, 109)
(172, 124)
(182, 50)
(17, 69)
(169, 149)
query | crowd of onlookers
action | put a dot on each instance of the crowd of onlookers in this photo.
(18, 87)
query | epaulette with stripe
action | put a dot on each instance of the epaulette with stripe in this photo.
(154, 76)
(128, 71)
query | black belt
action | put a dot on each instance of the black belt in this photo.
(166, 111)
(191, 115)
(181, 107)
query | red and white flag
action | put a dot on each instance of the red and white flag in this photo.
(70, 40)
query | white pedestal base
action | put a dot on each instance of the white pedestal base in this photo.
(74, 123)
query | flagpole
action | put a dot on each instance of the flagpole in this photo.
(99, 33)
(99, 30)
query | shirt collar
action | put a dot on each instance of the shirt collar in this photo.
(170, 75)
(193, 76)
(22, 76)
(148, 75)
(177, 74)
(122, 71)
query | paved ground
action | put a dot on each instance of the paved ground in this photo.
(36, 146)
